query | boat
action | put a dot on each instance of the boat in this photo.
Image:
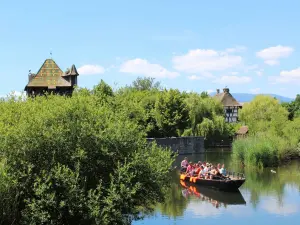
(202, 192)
(228, 184)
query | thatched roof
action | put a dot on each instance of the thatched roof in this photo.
(226, 98)
(242, 130)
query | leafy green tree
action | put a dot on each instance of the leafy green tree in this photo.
(263, 114)
(102, 90)
(171, 113)
(293, 107)
(146, 84)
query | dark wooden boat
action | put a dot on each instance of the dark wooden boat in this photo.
(227, 198)
(230, 184)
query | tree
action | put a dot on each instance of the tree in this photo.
(143, 84)
(293, 108)
(264, 113)
(102, 90)
(171, 113)
(200, 107)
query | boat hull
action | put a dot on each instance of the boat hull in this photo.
(224, 185)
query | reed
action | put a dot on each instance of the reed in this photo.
(264, 149)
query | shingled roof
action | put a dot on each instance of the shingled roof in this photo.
(226, 98)
(71, 72)
(49, 75)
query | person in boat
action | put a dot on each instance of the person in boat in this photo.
(223, 170)
(205, 168)
(189, 169)
(197, 170)
(201, 172)
(216, 174)
(184, 164)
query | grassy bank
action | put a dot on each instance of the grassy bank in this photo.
(264, 150)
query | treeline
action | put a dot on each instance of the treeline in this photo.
(274, 132)
(168, 113)
(85, 160)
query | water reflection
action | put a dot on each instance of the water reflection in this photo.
(272, 197)
(215, 197)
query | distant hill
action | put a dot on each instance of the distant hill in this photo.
(246, 97)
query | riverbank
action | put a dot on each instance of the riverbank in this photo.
(265, 150)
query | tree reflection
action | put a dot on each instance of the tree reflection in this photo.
(266, 183)
(175, 203)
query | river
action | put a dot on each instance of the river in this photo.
(265, 198)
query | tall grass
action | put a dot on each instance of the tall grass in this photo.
(264, 149)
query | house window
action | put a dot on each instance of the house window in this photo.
(228, 110)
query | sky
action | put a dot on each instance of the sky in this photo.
(193, 45)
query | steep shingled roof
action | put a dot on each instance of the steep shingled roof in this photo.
(71, 72)
(49, 75)
(226, 98)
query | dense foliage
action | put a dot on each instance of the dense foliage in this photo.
(272, 137)
(77, 160)
(84, 159)
(167, 113)
(293, 108)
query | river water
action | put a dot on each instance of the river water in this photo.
(265, 198)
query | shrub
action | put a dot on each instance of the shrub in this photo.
(77, 160)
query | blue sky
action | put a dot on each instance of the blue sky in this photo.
(249, 46)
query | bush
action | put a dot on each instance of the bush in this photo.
(77, 160)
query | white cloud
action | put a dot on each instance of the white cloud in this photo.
(203, 75)
(202, 209)
(143, 67)
(205, 60)
(234, 73)
(90, 70)
(272, 55)
(259, 72)
(236, 49)
(232, 80)
(292, 76)
(255, 90)
(111, 67)
(194, 77)
(273, 207)
(209, 91)
(250, 68)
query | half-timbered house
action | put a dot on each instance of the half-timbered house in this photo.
(51, 79)
(231, 105)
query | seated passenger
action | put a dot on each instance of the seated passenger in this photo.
(184, 164)
(201, 173)
(189, 169)
(197, 170)
(223, 170)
